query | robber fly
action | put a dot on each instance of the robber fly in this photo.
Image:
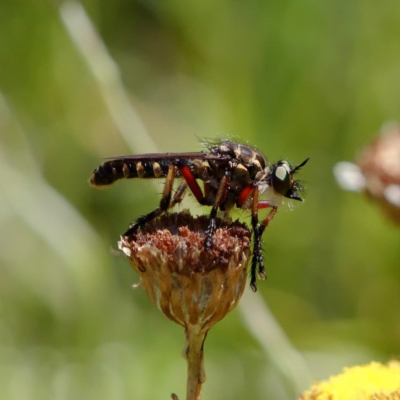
(233, 174)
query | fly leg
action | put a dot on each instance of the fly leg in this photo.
(258, 230)
(219, 199)
(165, 202)
(179, 195)
(257, 250)
(196, 190)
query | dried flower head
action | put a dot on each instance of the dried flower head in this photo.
(189, 285)
(377, 172)
(380, 164)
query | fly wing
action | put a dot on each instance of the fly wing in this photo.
(151, 165)
(201, 155)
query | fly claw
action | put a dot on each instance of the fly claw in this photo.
(233, 175)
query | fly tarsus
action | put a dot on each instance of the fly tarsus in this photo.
(257, 260)
(209, 233)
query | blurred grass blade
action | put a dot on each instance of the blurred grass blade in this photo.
(107, 75)
(26, 194)
(263, 326)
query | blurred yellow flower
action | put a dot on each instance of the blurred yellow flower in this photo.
(374, 381)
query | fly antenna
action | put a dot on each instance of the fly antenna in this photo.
(295, 169)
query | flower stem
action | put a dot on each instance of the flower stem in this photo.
(195, 337)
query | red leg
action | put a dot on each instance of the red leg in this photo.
(219, 198)
(244, 195)
(191, 181)
(264, 204)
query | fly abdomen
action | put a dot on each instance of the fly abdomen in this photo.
(111, 171)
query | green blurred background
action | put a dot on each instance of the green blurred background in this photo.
(295, 78)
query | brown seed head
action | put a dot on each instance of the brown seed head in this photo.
(380, 164)
(189, 285)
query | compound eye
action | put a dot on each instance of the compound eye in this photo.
(281, 178)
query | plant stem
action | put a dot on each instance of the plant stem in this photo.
(195, 337)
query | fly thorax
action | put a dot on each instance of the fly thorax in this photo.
(240, 176)
(263, 181)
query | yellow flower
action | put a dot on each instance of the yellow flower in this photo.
(374, 381)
